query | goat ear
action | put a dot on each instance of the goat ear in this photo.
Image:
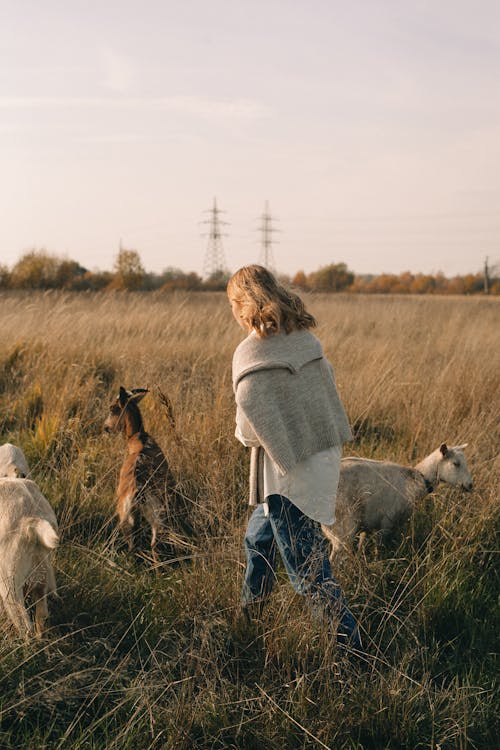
(123, 396)
(138, 394)
(443, 448)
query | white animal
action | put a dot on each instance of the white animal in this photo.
(28, 534)
(13, 462)
(380, 496)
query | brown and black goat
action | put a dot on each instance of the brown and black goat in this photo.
(146, 487)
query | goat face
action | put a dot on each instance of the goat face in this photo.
(453, 467)
(115, 421)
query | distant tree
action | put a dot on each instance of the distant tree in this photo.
(36, 269)
(440, 282)
(4, 277)
(454, 285)
(152, 281)
(332, 278)
(94, 281)
(495, 286)
(69, 274)
(176, 278)
(128, 270)
(217, 281)
(423, 284)
(402, 284)
(473, 283)
(300, 281)
(361, 284)
(283, 278)
(494, 273)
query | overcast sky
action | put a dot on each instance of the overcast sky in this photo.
(372, 127)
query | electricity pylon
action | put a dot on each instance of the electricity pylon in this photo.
(486, 277)
(267, 229)
(215, 261)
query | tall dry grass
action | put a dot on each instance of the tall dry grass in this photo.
(134, 659)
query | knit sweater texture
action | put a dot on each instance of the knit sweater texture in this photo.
(286, 389)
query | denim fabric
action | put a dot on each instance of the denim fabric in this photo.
(304, 551)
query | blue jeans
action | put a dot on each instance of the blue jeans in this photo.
(304, 551)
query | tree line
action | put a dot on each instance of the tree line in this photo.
(336, 277)
(39, 269)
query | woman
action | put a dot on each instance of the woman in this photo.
(289, 413)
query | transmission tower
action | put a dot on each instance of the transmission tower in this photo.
(266, 228)
(215, 262)
(486, 277)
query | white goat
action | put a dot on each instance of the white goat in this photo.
(13, 462)
(379, 495)
(28, 533)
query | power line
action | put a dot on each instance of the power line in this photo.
(215, 261)
(266, 228)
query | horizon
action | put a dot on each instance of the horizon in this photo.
(493, 267)
(371, 131)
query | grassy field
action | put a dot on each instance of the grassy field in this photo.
(138, 660)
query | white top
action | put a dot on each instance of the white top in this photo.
(312, 483)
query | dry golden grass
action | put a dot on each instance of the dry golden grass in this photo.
(138, 660)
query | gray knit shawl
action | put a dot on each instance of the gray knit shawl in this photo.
(286, 389)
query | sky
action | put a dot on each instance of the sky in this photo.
(371, 128)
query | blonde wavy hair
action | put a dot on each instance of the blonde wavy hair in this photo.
(266, 305)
